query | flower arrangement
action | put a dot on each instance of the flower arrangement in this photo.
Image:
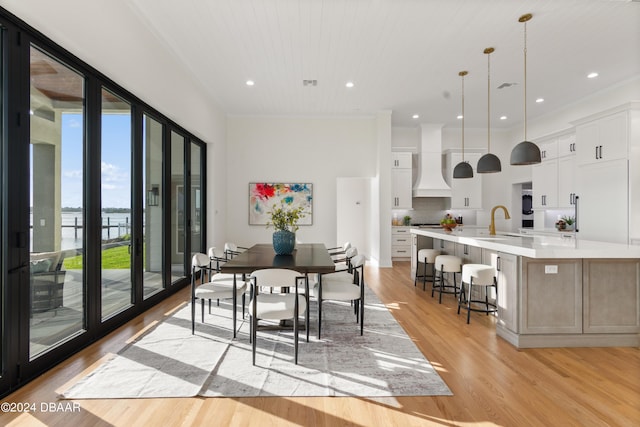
(285, 217)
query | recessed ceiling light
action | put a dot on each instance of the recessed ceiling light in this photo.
(539, 100)
(250, 82)
(503, 117)
(592, 75)
(415, 116)
(459, 117)
(349, 85)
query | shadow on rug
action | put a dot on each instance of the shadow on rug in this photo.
(170, 362)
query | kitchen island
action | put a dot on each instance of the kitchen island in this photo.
(553, 291)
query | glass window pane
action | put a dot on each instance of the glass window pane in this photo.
(115, 198)
(153, 230)
(178, 215)
(57, 205)
(196, 199)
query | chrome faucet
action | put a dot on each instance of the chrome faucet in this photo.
(492, 226)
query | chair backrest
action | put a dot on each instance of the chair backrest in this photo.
(346, 246)
(351, 252)
(275, 277)
(215, 252)
(198, 261)
(230, 247)
(358, 262)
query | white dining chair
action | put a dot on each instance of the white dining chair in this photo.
(275, 303)
(342, 290)
(223, 289)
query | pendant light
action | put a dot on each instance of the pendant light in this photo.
(489, 163)
(526, 152)
(463, 169)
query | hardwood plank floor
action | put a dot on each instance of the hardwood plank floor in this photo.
(492, 382)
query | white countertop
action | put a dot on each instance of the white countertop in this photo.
(561, 246)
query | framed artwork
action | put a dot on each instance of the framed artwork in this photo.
(264, 195)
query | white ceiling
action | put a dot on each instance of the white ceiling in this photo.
(402, 55)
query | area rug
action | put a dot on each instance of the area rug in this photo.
(170, 362)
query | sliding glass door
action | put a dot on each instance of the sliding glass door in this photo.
(152, 140)
(57, 212)
(102, 203)
(178, 204)
(116, 247)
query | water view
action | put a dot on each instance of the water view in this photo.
(114, 225)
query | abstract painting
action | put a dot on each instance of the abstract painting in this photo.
(263, 196)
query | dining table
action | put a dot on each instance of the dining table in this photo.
(307, 258)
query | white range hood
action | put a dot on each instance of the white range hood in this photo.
(430, 182)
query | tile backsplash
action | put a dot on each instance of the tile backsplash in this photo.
(432, 210)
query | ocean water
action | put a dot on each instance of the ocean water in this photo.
(119, 224)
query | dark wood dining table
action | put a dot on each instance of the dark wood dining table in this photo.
(306, 258)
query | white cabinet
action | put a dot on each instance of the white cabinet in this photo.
(401, 160)
(466, 193)
(401, 181)
(553, 178)
(545, 184)
(602, 212)
(400, 242)
(602, 178)
(603, 139)
(401, 189)
(548, 150)
(567, 181)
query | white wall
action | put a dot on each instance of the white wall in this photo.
(286, 149)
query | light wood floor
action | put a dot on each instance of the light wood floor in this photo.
(493, 383)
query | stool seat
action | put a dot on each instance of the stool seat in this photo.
(446, 264)
(482, 274)
(425, 256)
(477, 275)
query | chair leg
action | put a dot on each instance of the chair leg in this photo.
(433, 284)
(441, 285)
(362, 316)
(469, 300)
(460, 296)
(210, 306)
(254, 323)
(202, 305)
(193, 316)
(295, 337)
(424, 276)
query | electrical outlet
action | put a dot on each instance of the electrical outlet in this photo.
(550, 269)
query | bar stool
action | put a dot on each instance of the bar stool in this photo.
(477, 275)
(426, 256)
(446, 264)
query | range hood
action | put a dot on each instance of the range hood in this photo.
(430, 182)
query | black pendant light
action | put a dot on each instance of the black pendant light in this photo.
(526, 152)
(489, 163)
(463, 169)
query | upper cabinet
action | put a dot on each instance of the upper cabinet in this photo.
(401, 160)
(553, 178)
(603, 139)
(401, 181)
(466, 193)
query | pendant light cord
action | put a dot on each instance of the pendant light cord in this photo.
(463, 115)
(525, 80)
(488, 52)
